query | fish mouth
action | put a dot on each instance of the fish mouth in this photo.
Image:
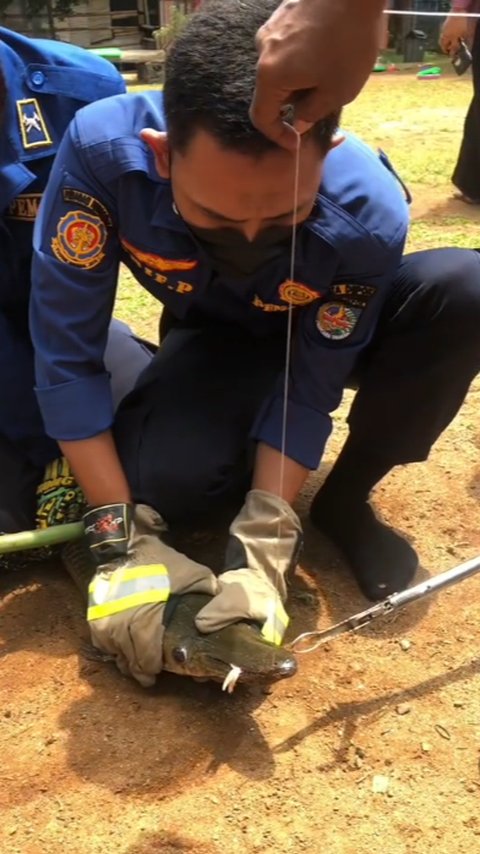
(282, 670)
(208, 667)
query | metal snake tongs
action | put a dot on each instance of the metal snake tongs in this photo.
(310, 641)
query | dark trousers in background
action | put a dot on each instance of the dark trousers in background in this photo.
(467, 171)
(125, 359)
(18, 484)
(182, 434)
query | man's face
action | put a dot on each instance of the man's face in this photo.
(240, 208)
(215, 188)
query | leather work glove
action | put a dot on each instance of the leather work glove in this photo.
(136, 574)
(59, 498)
(264, 544)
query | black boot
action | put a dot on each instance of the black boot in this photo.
(381, 560)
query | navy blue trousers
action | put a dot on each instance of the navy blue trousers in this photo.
(182, 434)
(125, 359)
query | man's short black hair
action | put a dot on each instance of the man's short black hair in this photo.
(210, 79)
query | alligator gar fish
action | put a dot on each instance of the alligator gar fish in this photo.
(234, 654)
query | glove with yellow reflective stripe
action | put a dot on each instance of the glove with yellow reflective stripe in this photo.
(136, 574)
(264, 544)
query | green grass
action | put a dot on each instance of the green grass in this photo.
(419, 124)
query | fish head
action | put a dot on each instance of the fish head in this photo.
(212, 656)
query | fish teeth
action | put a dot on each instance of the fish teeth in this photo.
(231, 679)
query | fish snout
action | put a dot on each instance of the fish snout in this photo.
(287, 668)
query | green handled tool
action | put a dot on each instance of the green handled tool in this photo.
(54, 536)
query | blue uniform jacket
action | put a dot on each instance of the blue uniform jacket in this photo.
(46, 83)
(105, 203)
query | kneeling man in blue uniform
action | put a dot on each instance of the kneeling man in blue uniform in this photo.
(183, 190)
(42, 85)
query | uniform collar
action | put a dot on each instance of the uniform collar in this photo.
(165, 213)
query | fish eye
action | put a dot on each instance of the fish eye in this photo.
(180, 654)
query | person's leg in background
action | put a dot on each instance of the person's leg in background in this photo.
(384, 35)
(466, 176)
(18, 483)
(412, 382)
(126, 356)
(48, 494)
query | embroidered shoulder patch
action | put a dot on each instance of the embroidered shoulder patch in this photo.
(356, 295)
(297, 294)
(33, 128)
(336, 321)
(78, 197)
(80, 240)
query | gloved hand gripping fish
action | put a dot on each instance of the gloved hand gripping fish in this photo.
(235, 654)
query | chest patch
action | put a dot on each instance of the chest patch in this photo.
(356, 296)
(297, 294)
(157, 262)
(336, 321)
(24, 207)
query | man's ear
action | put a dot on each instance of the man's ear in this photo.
(158, 142)
(336, 141)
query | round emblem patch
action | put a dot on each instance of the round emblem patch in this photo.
(336, 320)
(80, 239)
(297, 294)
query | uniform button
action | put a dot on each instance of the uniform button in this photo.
(38, 78)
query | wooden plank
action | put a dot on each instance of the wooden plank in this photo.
(141, 56)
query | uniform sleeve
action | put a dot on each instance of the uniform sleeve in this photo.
(330, 335)
(74, 275)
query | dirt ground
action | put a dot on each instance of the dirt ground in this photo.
(92, 764)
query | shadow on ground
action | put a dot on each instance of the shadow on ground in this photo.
(168, 843)
(428, 207)
(352, 715)
(119, 735)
